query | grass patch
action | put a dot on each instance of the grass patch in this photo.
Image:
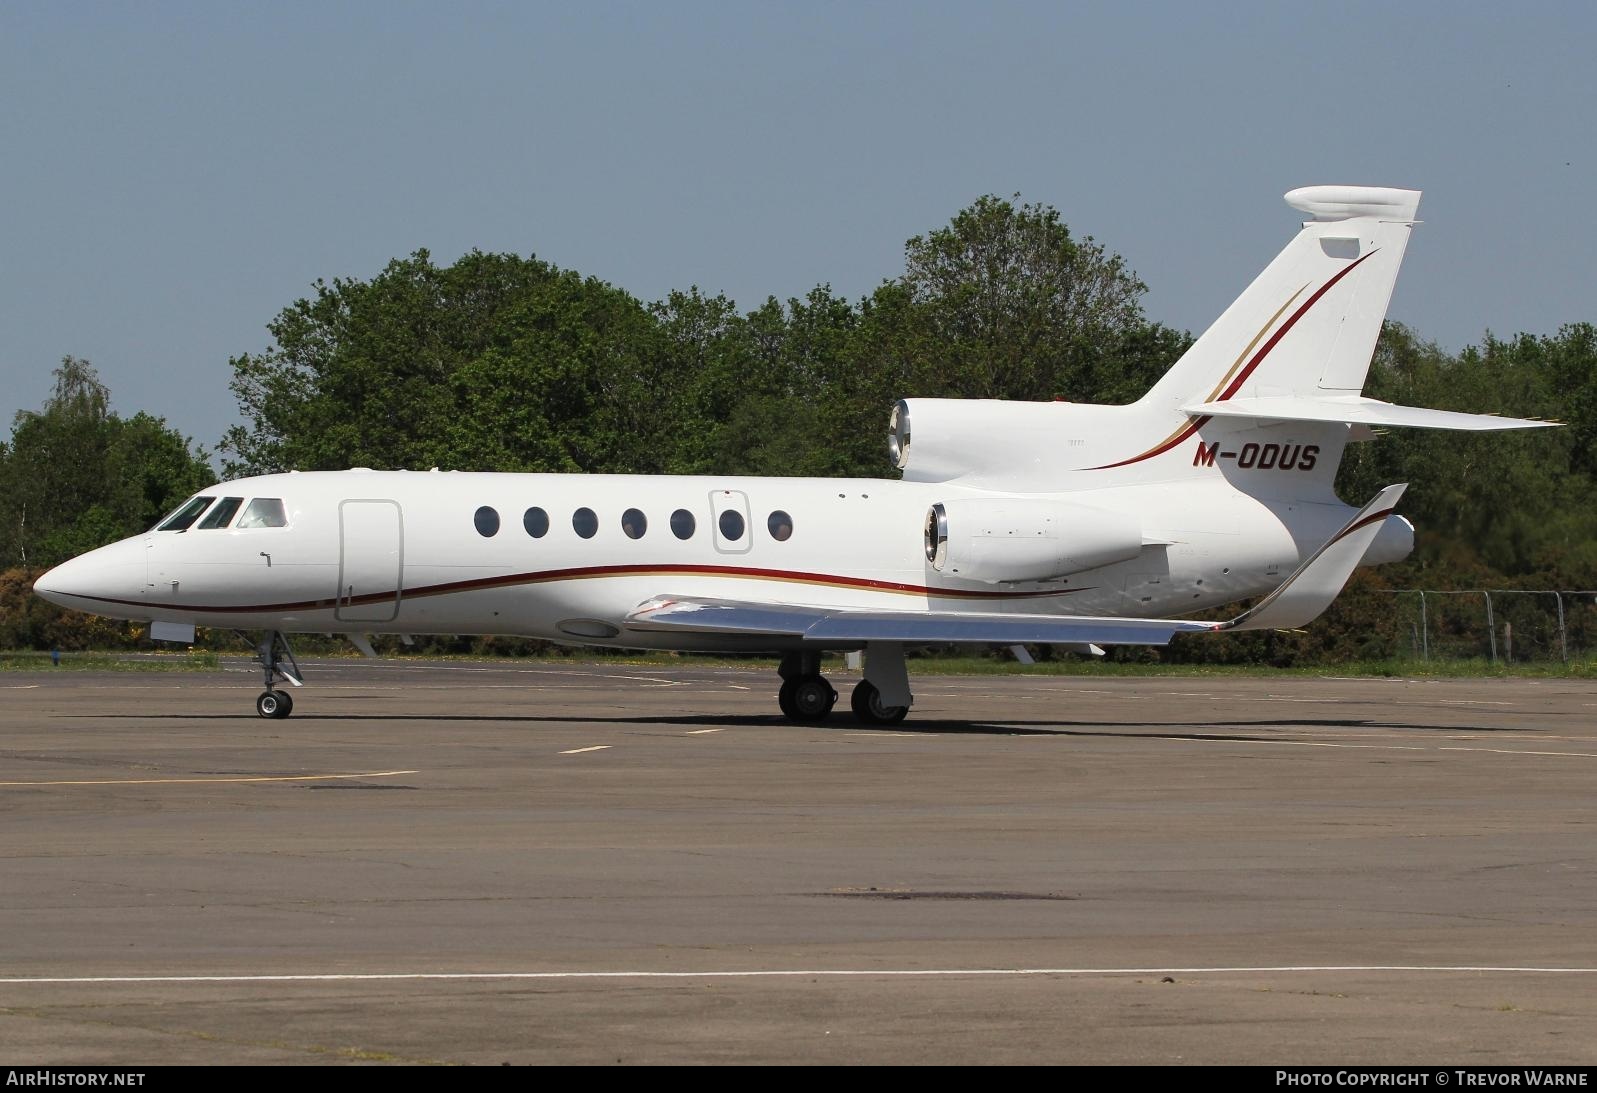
(28, 661)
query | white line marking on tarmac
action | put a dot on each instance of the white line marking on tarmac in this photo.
(207, 781)
(596, 747)
(701, 732)
(1527, 751)
(832, 973)
(23, 687)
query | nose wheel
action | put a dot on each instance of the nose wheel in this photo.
(273, 653)
(274, 704)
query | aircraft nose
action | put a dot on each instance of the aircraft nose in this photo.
(65, 582)
(93, 581)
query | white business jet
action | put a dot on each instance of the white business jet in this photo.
(1080, 526)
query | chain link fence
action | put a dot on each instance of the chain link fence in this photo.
(1502, 625)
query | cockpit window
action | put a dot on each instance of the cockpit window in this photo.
(219, 516)
(183, 517)
(264, 512)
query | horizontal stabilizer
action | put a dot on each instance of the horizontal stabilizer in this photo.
(1354, 410)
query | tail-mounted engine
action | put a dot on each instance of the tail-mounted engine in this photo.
(999, 540)
(987, 438)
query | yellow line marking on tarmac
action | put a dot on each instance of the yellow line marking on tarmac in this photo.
(596, 747)
(206, 781)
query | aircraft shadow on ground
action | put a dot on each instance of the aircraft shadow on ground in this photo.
(1218, 729)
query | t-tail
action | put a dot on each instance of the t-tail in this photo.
(1268, 396)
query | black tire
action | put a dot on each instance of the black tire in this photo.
(813, 698)
(273, 704)
(867, 703)
(784, 699)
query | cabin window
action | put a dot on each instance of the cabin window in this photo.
(185, 516)
(487, 521)
(264, 512)
(781, 525)
(219, 516)
(683, 524)
(634, 523)
(536, 521)
(585, 523)
(731, 525)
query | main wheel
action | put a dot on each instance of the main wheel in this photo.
(784, 699)
(812, 699)
(274, 704)
(867, 703)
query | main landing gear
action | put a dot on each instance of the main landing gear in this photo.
(273, 652)
(881, 698)
(805, 695)
(868, 705)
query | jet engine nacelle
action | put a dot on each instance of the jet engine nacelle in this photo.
(1022, 539)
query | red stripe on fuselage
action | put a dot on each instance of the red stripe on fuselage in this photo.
(510, 580)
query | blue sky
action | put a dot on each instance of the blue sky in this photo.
(176, 174)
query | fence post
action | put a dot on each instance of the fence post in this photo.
(1563, 641)
(1425, 630)
(1491, 627)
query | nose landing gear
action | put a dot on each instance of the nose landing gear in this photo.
(272, 652)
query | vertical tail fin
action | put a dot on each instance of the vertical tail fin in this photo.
(1309, 322)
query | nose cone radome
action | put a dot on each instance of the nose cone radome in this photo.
(107, 581)
(56, 583)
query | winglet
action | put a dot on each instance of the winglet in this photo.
(1314, 584)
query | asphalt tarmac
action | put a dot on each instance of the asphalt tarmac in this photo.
(572, 863)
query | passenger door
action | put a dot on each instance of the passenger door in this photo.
(371, 559)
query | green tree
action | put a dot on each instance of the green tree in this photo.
(76, 476)
(1006, 303)
(496, 362)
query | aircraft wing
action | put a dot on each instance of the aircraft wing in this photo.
(1357, 410)
(842, 626)
(1296, 601)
